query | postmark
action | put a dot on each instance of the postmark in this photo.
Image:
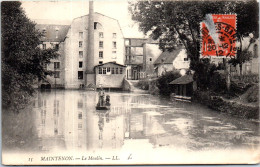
(218, 36)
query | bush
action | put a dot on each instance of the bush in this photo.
(217, 82)
(165, 88)
(143, 84)
(204, 71)
(252, 94)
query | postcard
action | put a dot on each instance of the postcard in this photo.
(130, 82)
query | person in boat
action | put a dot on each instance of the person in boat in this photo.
(107, 100)
(101, 95)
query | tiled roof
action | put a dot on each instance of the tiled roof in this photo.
(50, 35)
(167, 57)
(183, 80)
(111, 63)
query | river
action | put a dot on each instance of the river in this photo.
(140, 128)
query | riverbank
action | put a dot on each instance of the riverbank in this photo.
(231, 107)
(245, 106)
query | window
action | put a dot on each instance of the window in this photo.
(114, 55)
(114, 35)
(121, 70)
(101, 35)
(113, 70)
(104, 70)
(80, 115)
(80, 44)
(100, 62)
(80, 54)
(56, 74)
(101, 54)
(80, 64)
(108, 69)
(80, 34)
(95, 25)
(127, 42)
(186, 59)
(57, 46)
(101, 44)
(80, 104)
(100, 70)
(114, 45)
(79, 126)
(57, 32)
(80, 74)
(151, 59)
(255, 51)
(44, 46)
(56, 65)
(116, 70)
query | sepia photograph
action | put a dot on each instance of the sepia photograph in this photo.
(130, 82)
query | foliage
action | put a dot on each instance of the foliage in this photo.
(242, 57)
(218, 82)
(174, 22)
(143, 84)
(204, 72)
(22, 59)
(248, 78)
(163, 82)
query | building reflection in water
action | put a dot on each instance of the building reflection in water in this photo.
(70, 122)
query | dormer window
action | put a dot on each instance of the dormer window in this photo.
(57, 32)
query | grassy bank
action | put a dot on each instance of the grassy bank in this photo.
(242, 101)
(244, 106)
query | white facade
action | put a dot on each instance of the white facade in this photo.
(180, 63)
(108, 47)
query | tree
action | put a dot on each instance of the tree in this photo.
(174, 22)
(22, 59)
(163, 82)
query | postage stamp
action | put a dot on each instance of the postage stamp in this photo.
(218, 36)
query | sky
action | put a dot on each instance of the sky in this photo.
(63, 12)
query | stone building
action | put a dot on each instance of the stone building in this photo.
(108, 46)
(54, 37)
(140, 54)
(88, 41)
(177, 60)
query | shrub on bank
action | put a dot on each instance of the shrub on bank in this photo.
(143, 84)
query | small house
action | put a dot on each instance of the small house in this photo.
(184, 87)
(110, 75)
(177, 60)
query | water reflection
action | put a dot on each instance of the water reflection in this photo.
(67, 120)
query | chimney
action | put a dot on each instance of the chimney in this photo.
(90, 51)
